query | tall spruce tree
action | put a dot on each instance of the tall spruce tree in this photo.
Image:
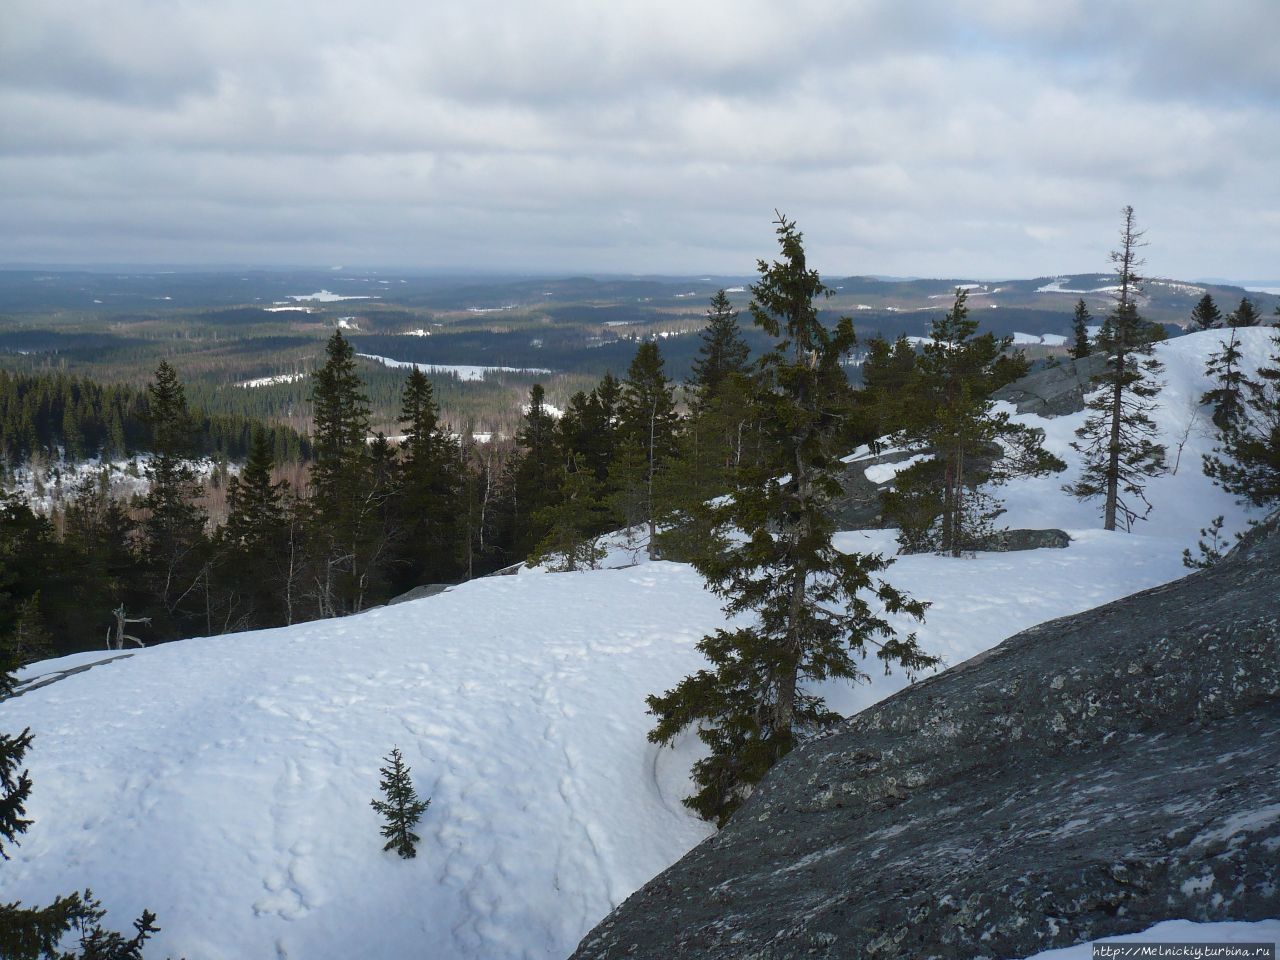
(531, 480)
(722, 353)
(574, 522)
(888, 376)
(254, 541)
(944, 502)
(344, 502)
(1206, 315)
(429, 505)
(647, 430)
(1080, 320)
(1247, 460)
(1116, 440)
(174, 545)
(809, 603)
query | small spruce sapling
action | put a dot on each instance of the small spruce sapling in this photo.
(402, 808)
(1212, 547)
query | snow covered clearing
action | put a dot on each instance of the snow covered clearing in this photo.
(272, 381)
(326, 296)
(225, 782)
(462, 371)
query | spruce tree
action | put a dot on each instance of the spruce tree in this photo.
(254, 541)
(401, 807)
(345, 510)
(1245, 315)
(428, 500)
(723, 351)
(809, 605)
(888, 376)
(647, 430)
(173, 538)
(1206, 315)
(531, 480)
(944, 502)
(1246, 461)
(1080, 321)
(28, 640)
(1116, 440)
(1227, 397)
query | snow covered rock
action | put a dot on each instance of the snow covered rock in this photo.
(1088, 777)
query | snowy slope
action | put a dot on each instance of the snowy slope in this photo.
(224, 782)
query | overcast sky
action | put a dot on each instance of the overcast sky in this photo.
(990, 139)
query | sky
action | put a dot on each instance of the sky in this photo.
(984, 139)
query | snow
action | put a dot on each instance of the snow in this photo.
(1180, 932)
(225, 782)
(461, 370)
(1275, 291)
(1046, 340)
(417, 333)
(1057, 287)
(884, 472)
(326, 296)
(348, 323)
(270, 381)
(287, 309)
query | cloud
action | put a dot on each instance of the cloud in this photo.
(930, 137)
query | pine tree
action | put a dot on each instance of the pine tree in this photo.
(809, 602)
(647, 425)
(1245, 315)
(1080, 321)
(402, 809)
(1116, 439)
(723, 351)
(943, 503)
(1228, 395)
(1247, 460)
(1206, 315)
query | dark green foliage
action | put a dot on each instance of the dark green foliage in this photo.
(45, 412)
(1080, 321)
(807, 600)
(574, 522)
(531, 483)
(888, 376)
(1116, 439)
(1230, 384)
(723, 352)
(647, 438)
(28, 640)
(1245, 315)
(172, 531)
(427, 504)
(1206, 315)
(15, 786)
(401, 807)
(942, 503)
(347, 504)
(1247, 459)
(1211, 546)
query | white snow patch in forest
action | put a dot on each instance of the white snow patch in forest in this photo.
(462, 371)
(1178, 931)
(287, 309)
(272, 381)
(327, 296)
(225, 782)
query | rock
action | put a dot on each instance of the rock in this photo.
(1003, 541)
(1054, 391)
(1087, 778)
(417, 593)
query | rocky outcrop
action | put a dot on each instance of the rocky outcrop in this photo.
(1053, 391)
(1003, 541)
(1088, 777)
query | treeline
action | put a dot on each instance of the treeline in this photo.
(55, 415)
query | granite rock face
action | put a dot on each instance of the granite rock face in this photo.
(1054, 391)
(1088, 777)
